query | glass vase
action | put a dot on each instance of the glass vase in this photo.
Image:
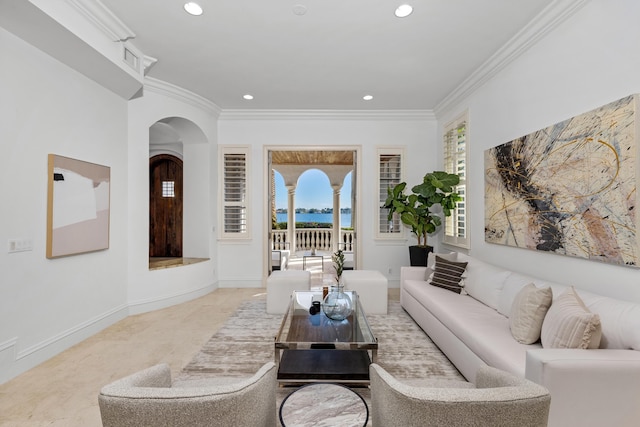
(337, 305)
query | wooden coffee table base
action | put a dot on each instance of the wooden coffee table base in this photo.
(316, 365)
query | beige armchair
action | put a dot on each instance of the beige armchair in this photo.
(498, 399)
(148, 398)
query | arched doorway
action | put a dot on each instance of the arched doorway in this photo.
(336, 162)
(165, 206)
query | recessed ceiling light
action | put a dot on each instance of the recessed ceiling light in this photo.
(299, 9)
(248, 97)
(193, 8)
(367, 97)
(404, 10)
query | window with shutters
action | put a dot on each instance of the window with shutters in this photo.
(389, 173)
(456, 146)
(234, 215)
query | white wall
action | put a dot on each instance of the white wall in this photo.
(243, 263)
(48, 305)
(587, 62)
(148, 290)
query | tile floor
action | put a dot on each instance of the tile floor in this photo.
(63, 391)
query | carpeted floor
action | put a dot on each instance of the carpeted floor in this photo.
(245, 342)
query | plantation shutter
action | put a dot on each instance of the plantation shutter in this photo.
(455, 161)
(389, 175)
(235, 194)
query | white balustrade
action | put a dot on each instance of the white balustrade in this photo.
(309, 238)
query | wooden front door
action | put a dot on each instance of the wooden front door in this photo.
(165, 206)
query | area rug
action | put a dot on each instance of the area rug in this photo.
(245, 342)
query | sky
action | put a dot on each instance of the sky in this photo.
(313, 191)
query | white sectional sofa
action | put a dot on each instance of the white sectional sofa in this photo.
(590, 387)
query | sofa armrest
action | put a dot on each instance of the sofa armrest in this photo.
(412, 273)
(588, 387)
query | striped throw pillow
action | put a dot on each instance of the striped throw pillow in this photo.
(448, 274)
(570, 324)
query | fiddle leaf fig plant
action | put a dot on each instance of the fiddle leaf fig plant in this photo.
(415, 209)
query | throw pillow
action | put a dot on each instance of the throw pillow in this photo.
(528, 311)
(569, 324)
(448, 274)
(431, 261)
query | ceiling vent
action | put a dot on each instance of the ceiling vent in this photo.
(131, 59)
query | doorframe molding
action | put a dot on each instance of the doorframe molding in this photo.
(266, 217)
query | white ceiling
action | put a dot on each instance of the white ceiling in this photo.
(328, 58)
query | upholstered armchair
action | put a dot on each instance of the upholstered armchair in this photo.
(148, 398)
(498, 399)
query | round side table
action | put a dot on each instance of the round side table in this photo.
(324, 405)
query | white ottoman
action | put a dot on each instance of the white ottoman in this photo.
(371, 286)
(280, 286)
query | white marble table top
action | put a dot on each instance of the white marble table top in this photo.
(324, 405)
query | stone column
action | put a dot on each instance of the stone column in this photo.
(336, 217)
(291, 218)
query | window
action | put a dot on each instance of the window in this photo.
(456, 143)
(234, 164)
(390, 172)
(168, 189)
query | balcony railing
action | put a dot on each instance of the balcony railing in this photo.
(309, 238)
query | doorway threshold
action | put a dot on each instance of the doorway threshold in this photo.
(157, 263)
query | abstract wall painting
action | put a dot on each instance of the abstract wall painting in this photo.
(77, 207)
(570, 188)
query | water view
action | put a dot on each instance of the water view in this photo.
(345, 218)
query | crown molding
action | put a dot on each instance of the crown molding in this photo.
(546, 21)
(103, 19)
(167, 89)
(266, 114)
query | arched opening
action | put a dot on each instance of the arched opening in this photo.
(314, 212)
(178, 167)
(320, 191)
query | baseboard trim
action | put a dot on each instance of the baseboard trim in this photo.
(243, 283)
(14, 363)
(152, 304)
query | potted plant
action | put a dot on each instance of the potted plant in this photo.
(338, 264)
(416, 209)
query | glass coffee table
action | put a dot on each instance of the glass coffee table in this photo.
(313, 348)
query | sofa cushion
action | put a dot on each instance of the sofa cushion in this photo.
(512, 285)
(480, 327)
(483, 281)
(528, 311)
(620, 320)
(448, 274)
(569, 324)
